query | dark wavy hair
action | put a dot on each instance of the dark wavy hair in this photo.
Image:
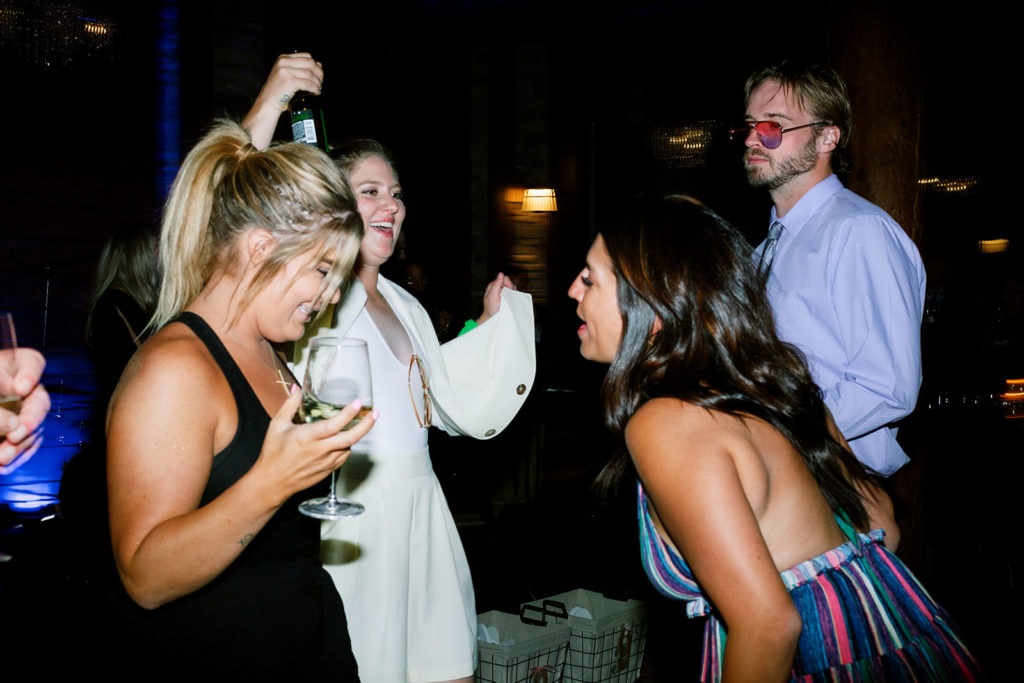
(678, 261)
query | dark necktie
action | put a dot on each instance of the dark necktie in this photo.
(769, 249)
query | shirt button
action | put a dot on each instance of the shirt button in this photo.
(521, 389)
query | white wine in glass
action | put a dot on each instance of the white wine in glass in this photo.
(337, 373)
(8, 346)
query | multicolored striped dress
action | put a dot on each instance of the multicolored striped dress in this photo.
(865, 616)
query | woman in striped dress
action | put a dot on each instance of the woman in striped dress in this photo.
(751, 507)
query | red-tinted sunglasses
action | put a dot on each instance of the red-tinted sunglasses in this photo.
(769, 133)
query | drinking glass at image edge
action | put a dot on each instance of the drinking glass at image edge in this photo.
(24, 401)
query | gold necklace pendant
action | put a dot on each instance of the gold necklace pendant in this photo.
(275, 360)
(285, 384)
(282, 381)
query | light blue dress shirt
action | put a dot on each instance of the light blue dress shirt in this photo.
(847, 287)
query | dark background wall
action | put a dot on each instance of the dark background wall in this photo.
(479, 97)
(475, 97)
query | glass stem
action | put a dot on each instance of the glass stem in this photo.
(332, 498)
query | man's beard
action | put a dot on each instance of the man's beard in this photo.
(771, 178)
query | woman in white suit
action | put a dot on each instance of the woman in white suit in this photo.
(400, 566)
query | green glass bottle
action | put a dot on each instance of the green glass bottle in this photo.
(308, 121)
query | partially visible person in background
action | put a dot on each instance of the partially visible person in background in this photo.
(123, 298)
(21, 374)
(846, 283)
(415, 278)
(400, 566)
(207, 461)
(750, 505)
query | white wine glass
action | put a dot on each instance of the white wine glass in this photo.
(9, 346)
(337, 373)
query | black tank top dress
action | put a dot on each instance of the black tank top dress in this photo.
(274, 613)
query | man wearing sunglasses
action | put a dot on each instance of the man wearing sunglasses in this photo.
(846, 282)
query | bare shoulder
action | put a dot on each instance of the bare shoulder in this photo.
(174, 396)
(677, 419)
(174, 362)
(664, 426)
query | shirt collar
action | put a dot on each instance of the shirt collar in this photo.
(809, 204)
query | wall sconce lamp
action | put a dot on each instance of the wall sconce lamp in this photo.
(1013, 399)
(539, 199)
(993, 246)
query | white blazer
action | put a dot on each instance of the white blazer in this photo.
(478, 381)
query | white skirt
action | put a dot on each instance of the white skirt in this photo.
(402, 572)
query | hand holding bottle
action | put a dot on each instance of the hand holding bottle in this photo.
(292, 72)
